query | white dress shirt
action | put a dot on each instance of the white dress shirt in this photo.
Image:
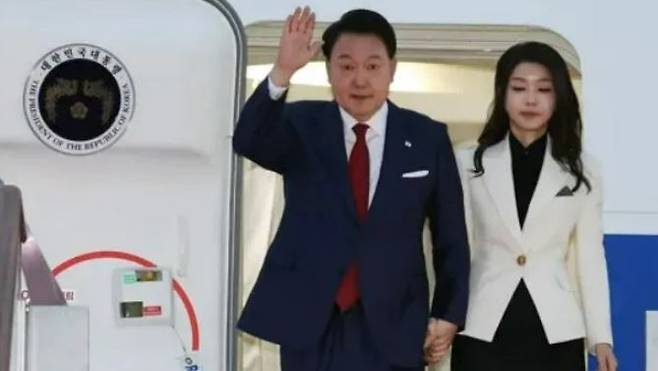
(375, 135)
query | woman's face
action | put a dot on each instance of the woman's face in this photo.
(530, 99)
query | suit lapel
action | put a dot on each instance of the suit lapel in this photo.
(332, 151)
(392, 161)
(331, 141)
(498, 178)
(551, 179)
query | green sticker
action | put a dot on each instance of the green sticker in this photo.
(129, 278)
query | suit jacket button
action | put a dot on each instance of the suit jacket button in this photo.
(520, 260)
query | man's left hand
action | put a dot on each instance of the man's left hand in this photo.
(440, 334)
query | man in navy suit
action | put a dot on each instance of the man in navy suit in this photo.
(343, 286)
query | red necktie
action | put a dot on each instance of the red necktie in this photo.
(359, 171)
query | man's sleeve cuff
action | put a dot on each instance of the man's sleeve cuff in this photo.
(276, 92)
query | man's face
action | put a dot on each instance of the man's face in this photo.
(360, 73)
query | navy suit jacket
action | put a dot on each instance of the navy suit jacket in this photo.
(319, 235)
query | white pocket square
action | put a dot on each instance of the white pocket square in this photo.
(416, 174)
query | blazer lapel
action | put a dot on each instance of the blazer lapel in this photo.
(331, 140)
(498, 178)
(551, 180)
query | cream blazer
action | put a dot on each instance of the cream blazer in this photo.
(559, 253)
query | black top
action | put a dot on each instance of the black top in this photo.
(526, 165)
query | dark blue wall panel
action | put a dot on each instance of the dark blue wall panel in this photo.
(633, 270)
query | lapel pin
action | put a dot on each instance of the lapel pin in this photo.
(407, 144)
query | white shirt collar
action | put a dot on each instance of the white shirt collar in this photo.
(377, 122)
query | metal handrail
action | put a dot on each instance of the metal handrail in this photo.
(12, 233)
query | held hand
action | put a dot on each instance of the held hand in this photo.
(295, 47)
(430, 338)
(605, 357)
(440, 334)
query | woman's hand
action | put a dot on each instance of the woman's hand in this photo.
(605, 357)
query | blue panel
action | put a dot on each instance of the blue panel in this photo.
(633, 270)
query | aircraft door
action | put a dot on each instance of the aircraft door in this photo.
(116, 125)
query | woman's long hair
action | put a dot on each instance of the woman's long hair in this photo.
(564, 126)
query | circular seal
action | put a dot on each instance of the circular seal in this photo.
(79, 99)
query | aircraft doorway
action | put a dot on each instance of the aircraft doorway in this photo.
(444, 71)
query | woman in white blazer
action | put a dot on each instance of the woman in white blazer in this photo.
(538, 287)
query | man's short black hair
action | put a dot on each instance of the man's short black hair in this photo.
(360, 21)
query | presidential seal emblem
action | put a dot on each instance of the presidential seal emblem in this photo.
(79, 99)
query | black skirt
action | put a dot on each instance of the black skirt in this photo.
(519, 344)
